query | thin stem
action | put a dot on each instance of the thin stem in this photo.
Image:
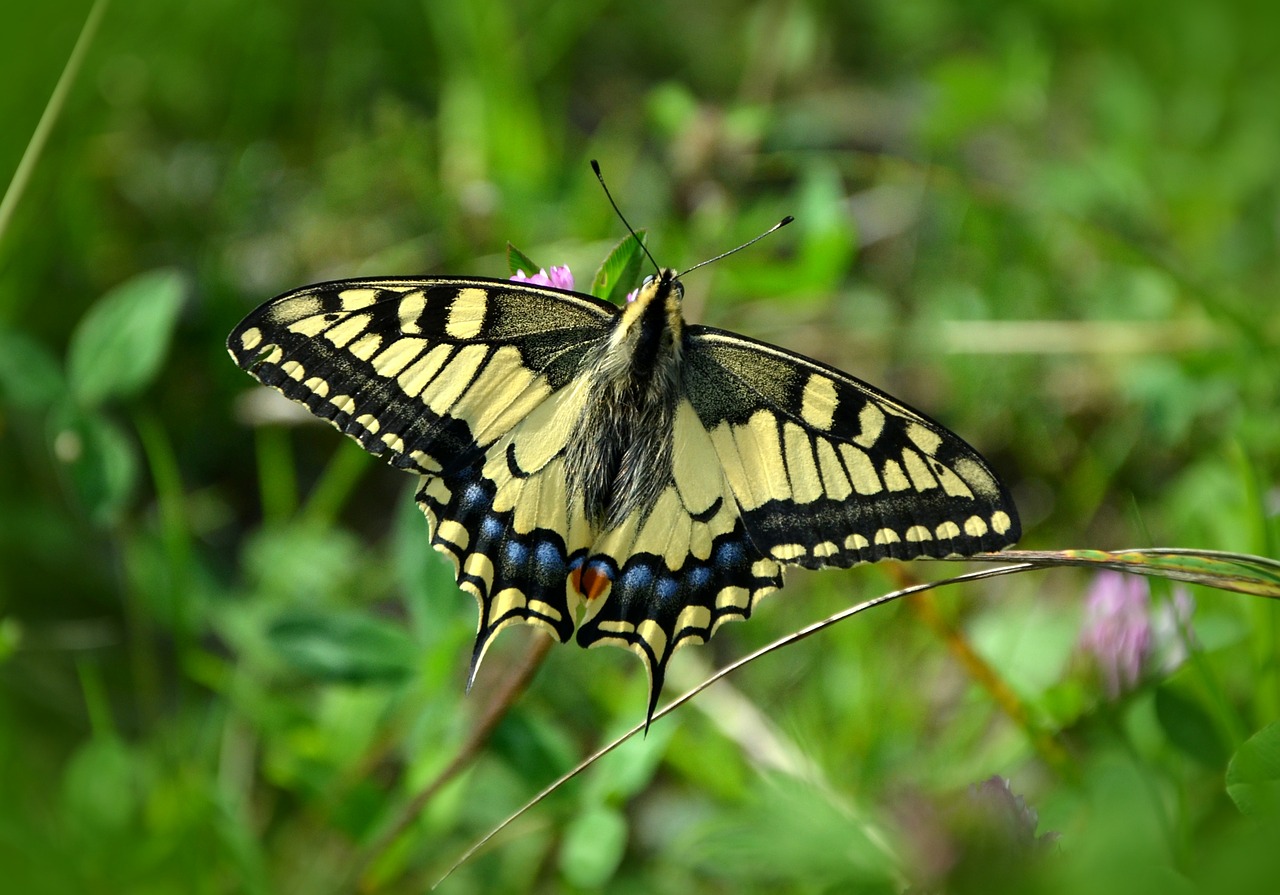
(52, 109)
(674, 704)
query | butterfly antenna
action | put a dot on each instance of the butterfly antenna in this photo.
(595, 166)
(778, 226)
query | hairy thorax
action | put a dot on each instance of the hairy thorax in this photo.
(619, 457)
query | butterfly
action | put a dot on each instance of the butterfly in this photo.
(614, 470)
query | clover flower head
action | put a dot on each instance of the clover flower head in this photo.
(1126, 637)
(557, 277)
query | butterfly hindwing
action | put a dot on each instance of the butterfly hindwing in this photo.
(461, 380)
(829, 471)
(679, 572)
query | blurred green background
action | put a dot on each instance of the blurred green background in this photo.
(228, 659)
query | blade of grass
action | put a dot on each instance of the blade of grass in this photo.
(680, 700)
(335, 485)
(52, 109)
(1254, 575)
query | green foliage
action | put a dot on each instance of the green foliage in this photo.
(1253, 776)
(117, 348)
(619, 273)
(231, 661)
(519, 262)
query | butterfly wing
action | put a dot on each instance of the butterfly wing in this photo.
(778, 459)
(829, 471)
(675, 574)
(462, 380)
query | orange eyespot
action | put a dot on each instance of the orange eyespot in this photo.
(590, 581)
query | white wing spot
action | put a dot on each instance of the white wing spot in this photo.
(294, 309)
(871, 419)
(861, 471)
(1000, 522)
(355, 299)
(651, 633)
(251, 338)
(344, 332)
(918, 533)
(947, 530)
(733, 596)
(344, 403)
(856, 542)
(818, 404)
(975, 526)
(466, 313)
(787, 552)
(366, 346)
(977, 477)
(886, 536)
(920, 475)
(952, 484)
(392, 360)
(411, 308)
(894, 478)
(924, 438)
(693, 617)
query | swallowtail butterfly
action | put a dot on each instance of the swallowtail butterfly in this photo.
(616, 470)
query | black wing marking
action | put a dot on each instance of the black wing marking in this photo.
(467, 381)
(829, 471)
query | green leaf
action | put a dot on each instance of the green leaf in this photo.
(1253, 775)
(620, 271)
(630, 768)
(100, 461)
(1189, 727)
(99, 786)
(593, 847)
(119, 345)
(303, 564)
(30, 376)
(530, 744)
(519, 262)
(346, 647)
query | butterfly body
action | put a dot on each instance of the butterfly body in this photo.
(616, 470)
(619, 457)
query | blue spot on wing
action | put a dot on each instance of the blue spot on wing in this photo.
(637, 576)
(667, 588)
(549, 558)
(515, 553)
(699, 577)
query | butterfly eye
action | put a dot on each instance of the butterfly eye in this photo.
(646, 281)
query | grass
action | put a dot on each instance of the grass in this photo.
(229, 660)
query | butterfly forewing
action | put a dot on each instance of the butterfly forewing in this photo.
(828, 471)
(465, 381)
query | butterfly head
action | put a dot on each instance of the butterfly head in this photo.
(659, 299)
(649, 332)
